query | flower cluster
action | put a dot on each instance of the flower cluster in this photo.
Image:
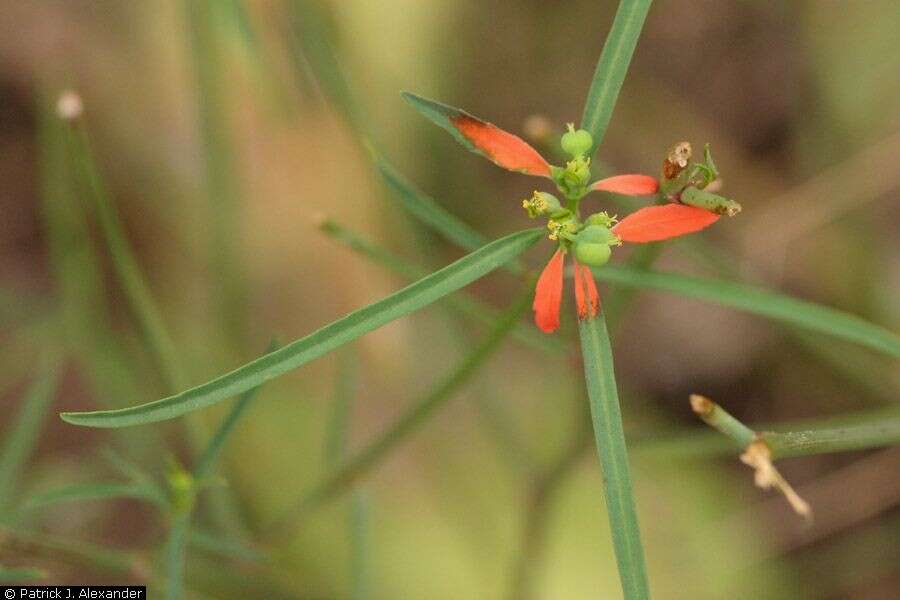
(687, 206)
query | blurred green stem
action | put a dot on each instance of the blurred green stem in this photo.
(162, 348)
(366, 459)
(610, 439)
(222, 187)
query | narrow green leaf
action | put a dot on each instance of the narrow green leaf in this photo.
(360, 548)
(226, 548)
(369, 457)
(222, 187)
(20, 574)
(610, 439)
(86, 553)
(336, 439)
(90, 492)
(124, 261)
(464, 303)
(760, 302)
(612, 68)
(424, 208)
(332, 336)
(21, 439)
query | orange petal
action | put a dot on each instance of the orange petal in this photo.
(655, 223)
(587, 299)
(630, 185)
(505, 149)
(548, 294)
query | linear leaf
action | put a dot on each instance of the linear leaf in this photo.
(332, 336)
(609, 435)
(224, 547)
(22, 436)
(462, 302)
(92, 491)
(612, 67)
(760, 302)
(426, 209)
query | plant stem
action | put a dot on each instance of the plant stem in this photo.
(718, 418)
(144, 308)
(179, 531)
(610, 440)
(881, 429)
(365, 460)
(222, 187)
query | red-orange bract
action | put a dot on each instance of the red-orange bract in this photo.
(548, 294)
(630, 185)
(656, 223)
(503, 148)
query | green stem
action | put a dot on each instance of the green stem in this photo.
(612, 68)
(610, 440)
(145, 310)
(881, 429)
(179, 532)
(718, 418)
(221, 183)
(365, 460)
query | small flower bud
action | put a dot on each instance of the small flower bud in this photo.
(576, 143)
(540, 204)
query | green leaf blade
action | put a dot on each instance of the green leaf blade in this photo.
(760, 302)
(610, 438)
(411, 298)
(612, 68)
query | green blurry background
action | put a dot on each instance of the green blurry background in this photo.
(223, 134)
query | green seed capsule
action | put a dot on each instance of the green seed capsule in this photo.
(593, 254)
(597, 234)
(576, 143)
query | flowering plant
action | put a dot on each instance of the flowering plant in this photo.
(590, 240)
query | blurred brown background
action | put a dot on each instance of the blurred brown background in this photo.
(799, 101)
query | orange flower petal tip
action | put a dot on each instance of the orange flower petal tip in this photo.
(656, 223)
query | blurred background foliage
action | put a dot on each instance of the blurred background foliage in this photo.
(220, 144)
